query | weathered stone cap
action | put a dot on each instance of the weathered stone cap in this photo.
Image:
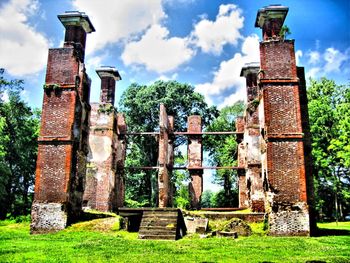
(107, 71)
(76, 18)
(252, 67)
(269, 12)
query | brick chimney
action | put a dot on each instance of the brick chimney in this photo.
(108, 76)
(250, 72)
(270, 19)
(77, 25)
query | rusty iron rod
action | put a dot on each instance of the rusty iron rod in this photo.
(142, 133)
(185, 133)
(206, 133)
(186, 168)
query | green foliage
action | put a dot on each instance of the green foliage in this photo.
(17, 245)
(223, 152)
(329, 111)
(206, 198)
(106, 108)
(140, 104)
(182, 199)
(19, 128)
(285, 31)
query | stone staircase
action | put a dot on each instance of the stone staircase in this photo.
(163, 224)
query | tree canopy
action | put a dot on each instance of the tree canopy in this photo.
(329, 111)
(223, 152)
(140, 104)
(19, 127)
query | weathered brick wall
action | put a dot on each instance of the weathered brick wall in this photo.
(120, 148)
(163, 157)
(61, 164)
(243, 190)
(62, 66)
(282, 110)
(53, 173)
(277, 59)
(283, 120)
(286, 170)
(100, 181)
(195, 158)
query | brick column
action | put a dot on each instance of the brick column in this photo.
(284, 157)
(170, 162)
(241, 162)
(120, 159)
(255, 192)
(163, 159)
(195, 158)
(101, 182)
(61, 163)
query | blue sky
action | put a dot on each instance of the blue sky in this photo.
(201, 42)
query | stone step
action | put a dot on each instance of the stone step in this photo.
(157, 232)
(160, 215)
(162, 223)
(159, 225)
(158, 237)
(156, 228)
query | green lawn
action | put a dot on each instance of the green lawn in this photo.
(75, 245)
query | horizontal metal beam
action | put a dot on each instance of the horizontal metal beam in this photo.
(206, 133)
(186, 168)
(142, 133)
(185, 133)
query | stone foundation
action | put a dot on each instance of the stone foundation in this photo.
(48, 217)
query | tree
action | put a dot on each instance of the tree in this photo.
(223, 151)
(19, 127)
(330, 128)
(206, 199)
(140, 103)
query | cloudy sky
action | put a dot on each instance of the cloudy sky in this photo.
(202, 42)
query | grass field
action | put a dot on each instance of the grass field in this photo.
(83, 244)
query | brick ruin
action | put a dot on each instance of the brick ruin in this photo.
(104, 188)
(275, 148)
(82, 147)
(63, 139)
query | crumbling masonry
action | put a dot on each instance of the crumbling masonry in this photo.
(82, 148)
(275, 149)
(104, 189)
(63, 139)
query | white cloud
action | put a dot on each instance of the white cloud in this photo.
(313, 72)
(211, 36)
(328, 62)
(334, 59)
(118, 20)
(23, 50)
(156, 51)
(227, 84)
(314, 57)
(298, 55)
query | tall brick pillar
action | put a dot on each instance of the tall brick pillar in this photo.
(63, 139)
(283, 159)
(165, 157)
(255, 192)
(101, 181)
(120, 159)
(243, 200)
(195, 158)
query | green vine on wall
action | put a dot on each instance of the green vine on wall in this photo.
(106, 108)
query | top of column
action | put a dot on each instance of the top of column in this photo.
(270, 19)
(76, 18)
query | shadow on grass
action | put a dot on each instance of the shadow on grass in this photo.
(331, 232)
